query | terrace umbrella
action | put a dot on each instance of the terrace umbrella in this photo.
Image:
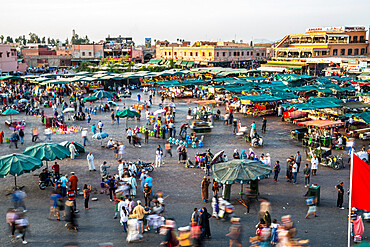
(17, 164)
(90, 99)
(217, 156)
(112, 103)
(241, 171)
(10, 112)
(127, 114)
(102, 94)
(47, 151)
(79, 147)
(158, 112)
(23, 100)
(100, 136)
(68, 110)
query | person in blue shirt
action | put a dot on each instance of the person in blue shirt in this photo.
(149, 181)
(63, 181)
(93, 129)
(111, 182)
(54, 198)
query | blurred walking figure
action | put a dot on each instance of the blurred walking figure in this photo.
(235, 232)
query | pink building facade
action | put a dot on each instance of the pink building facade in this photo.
(8, 59)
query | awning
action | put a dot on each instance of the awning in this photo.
(154, 61)
(178, 62)
(190, 64)
(183, 63)
(355, 105)
(322, 124)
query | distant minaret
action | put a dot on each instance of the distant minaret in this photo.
(73, 33)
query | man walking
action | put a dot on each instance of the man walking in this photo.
(84, 136)
(111, 182)
(100, 126)
(90, 162)
(340, 189)
(307, 174)
(129, 135)
(294, 172)
(167, 147)
(298, 159)
(314, 164)
(264, 124)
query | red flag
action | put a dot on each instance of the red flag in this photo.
(360, 184)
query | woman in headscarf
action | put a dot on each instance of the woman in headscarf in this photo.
(251, 154)
(236, 154)
(243, 155)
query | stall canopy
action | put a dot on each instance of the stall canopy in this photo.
(258, 98)
(355, 105)
(313, 105)
(322, 124)
(362, 116)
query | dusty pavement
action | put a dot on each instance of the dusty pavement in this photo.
(180, 184)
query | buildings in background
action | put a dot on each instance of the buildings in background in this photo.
(203, 53)
(9, 61)
(93, 53)
(329, 50)
(119, 47)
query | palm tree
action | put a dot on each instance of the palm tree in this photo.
(2, 38)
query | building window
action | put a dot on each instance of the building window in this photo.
(175, 53)
(356, 51)
(223, 54)
(90, 53)
(234, 53)
(342, 52)
(203, 54)
(165, 53)
(349, 52)
(335, 52)
(218, 54)
(238, 53)
(8, 54)
(184, 53)
(362, 51)
(83, 53)
(258, 54)
(362, 39)
(354, 39)
(191, 54)
(242, 53)
(324, 53)
(196, 54)
(247, 53)
(230, 54)
(169, 53)
(251, 53)
(1, 54)
(262, 54)
(210, 54)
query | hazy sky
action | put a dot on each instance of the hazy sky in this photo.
(172, 19)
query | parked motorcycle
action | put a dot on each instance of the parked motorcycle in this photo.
(333, 161)
(146, 166)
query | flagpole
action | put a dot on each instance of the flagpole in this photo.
(350, 200)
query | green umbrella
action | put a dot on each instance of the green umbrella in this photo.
(47, 151)
(10, 112)
(240, 170)
(90, 99)
(79, 147)
(102, 94)
(17, 164)
(127, 113)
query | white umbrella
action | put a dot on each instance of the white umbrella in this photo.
(69, 109)
(160, 111)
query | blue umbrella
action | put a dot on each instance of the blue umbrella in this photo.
(100, 136)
